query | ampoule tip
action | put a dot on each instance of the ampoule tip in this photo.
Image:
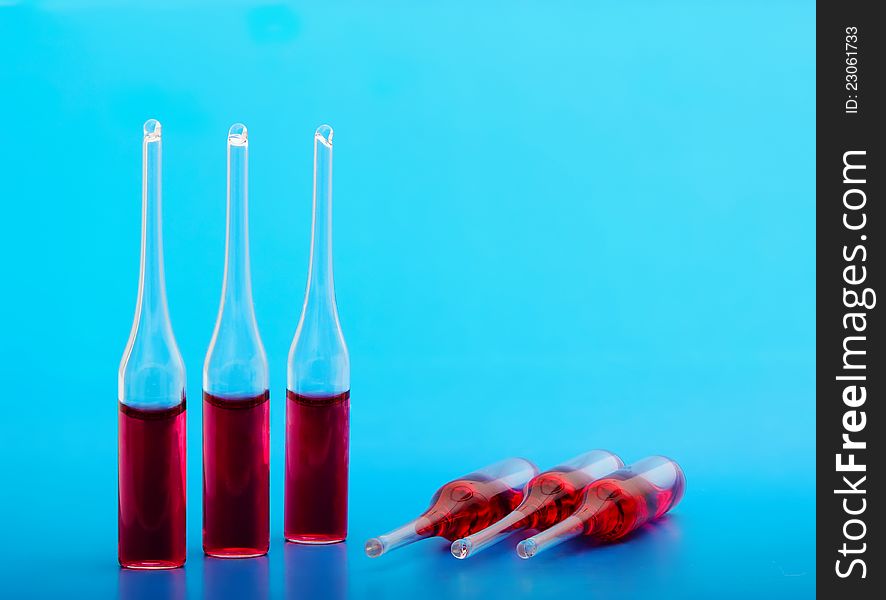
(461, 548)
(152, 129)
(324, 135)
(374, 548)
(527, 548)
(237, 134)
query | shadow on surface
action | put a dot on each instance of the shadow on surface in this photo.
(315, 571)
(148, 585)
(235, 578)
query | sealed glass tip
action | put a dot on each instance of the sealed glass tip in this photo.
(152, 130)
(324, 135)
(461, 548)
(374, 548)
(237, 135)
(527, 548)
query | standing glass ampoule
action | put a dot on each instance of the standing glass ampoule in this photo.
(235, 392)
(318, 387)
(151, 390)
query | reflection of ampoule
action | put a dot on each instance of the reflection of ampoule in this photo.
(235, 392)
(617, 504)
(463, 506)
(547, 499)
(151, 393)
(318, 381)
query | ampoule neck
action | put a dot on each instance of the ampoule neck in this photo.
(236, 364)
(237, 285)
(318, 357)
(151, 373)
(495, 533)
(566, 529)
(321, 285)
(406, 534)
(153, 308)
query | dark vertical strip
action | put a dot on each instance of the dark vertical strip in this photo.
(851, 371)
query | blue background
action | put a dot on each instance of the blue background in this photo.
(558, 226)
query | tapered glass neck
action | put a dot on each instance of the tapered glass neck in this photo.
(236, 365)
(153, 310)
(409, 533)
(152, 373)
(495, 533)
(566, 529)
(237, 286)
(318, 358)
(321, 287)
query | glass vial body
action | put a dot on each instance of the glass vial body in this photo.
(318, 387)
(151, 402)
(235, 392)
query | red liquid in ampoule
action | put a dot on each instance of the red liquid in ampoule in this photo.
(552, 496)
(151, 501)
(235, 475)
(317, 432)
(463, 507)
(613, 507)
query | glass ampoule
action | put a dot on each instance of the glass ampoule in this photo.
(616, 505)
(318, 387)
(151, 394)
(547, 499)
(463, 506)
(235, 392)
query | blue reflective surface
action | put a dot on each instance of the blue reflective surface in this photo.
(556, 229)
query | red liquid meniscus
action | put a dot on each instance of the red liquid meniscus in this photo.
(615, 506)
(316, 497)
(463, 507)
(151, 484)
(235, 475)
(551, 497)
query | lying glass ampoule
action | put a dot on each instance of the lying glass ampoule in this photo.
(548, 498)
(318, 387)
(151, 394)
(235, 392)
(463, 506)
(617, 504)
